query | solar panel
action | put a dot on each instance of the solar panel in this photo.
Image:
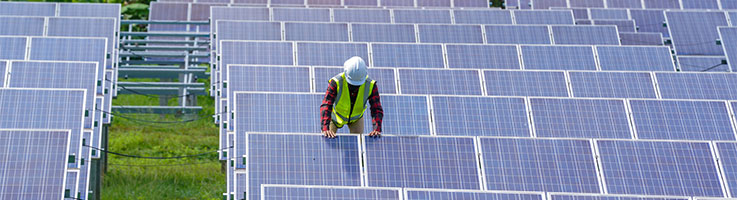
(241, 180)
(543, 17)
(662, 4)
(547, 165)
(362, 15)
(546, 4)
(302, 109)
(324, 2)
(398, 3)
(628, 58)
(316, 31)
(480, 116)
(22, 26)
(470, 3)
(578, 13)
(408, 55)
(622, 25)
(612, 84)
(89, 10)
(45, 109)
(383, 33)
(701, 63)
(728, 37)
(526, 83)
(421, 16)
(433, 81)
(268, 79)
(301, 14)
(611, 197)
(34, 165)
(650, 21)
(558, 57)
(450, 34)
(258, 53)
(360, 2)
(330, 54)
(384, 77)
(108, 97)
(648, 168)
(704, 4)
(300, 159)
(85, 27)
(71, 182)
(585, 35)
(97, 130)
(641, 39)
(72, 49)
(482, 16)
(13, 48)
(168, 11)
(517, 34)
(287, 2)
(432, 194)
(624, 4)
(237, 13)
(584, 22)
(421, 162)
(328, 192)
(3, 72)
(483, 56)
(728, 159)
(586, 3)
(403, 115)
(697, 85)
(729, 5)
(696, 33)
(243, 30)
(681, 120)
(27, 9)
(61, 75)
(608, 14)
(433, 3)
(580, 118)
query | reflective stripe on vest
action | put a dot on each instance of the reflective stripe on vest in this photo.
(342, 104)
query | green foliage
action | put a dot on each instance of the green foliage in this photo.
(135, 11)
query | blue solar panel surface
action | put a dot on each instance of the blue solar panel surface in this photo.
(618, 58)
(729, 5)
(697, 85)
(269, 79)
(332, 192)
(85, 27)
(728, 157)
(612, 84)
(483, 56)
(702, 4)
(3, 70)
(641, 38)
(450, 34)
(526, 83)
(543, 17)
(422, 162)
(622, 25)
(422, 16)
(301, 159)
(408, 55)
(360, 2)
(608, 14)
(238, 13)
(457, 82)
(650, 20)
(695, 32)
(681, 120)
(432, 3)
(517, 34)
(22, 26)
(470, 195)
(702, 63)
(34, 74)
(545, 4)
(45, 109)
(301, 14)
(316, 31)
(558, 57)
(580, 118)
(624, 3)
(649, 168)
(260, 53)
(330, 54)
(470, 3)
(27, 9)
(362, 15)
(13, 48)
(295, 113)
(34, 164)
(586, 3)
(72, 49)
(586, 35)
(403, 115)
(483, 17)
(728, 36)
(384, 77)
(609, 197)
(662, 4)
(480, 116)
(243, 30)
(539, 165)
(383, 33)
(398, 3)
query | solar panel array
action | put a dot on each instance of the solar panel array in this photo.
(58, 74)
(479, 103)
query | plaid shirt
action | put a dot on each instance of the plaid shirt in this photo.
(326, 109)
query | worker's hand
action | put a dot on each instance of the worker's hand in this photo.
(328, 134)
(375, 134)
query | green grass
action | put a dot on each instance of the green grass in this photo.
(190, 178)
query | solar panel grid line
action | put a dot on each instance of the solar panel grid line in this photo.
(725, 182)
(563, 195)
(524, 83)
(599, 172)
(589, 117)
(406, 192)
(677, 124)
(561, 53)
(731, 106)
(327, 194)
(569, 85)
(616, 84)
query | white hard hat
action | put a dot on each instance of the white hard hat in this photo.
(355, 71)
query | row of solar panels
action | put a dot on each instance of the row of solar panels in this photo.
(350, 3)
(628, 167)
(43, 135)
(650, 4)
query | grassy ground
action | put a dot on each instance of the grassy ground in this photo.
(191, 178)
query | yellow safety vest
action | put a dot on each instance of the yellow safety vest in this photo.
(342, 105)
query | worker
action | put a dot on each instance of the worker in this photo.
(345, 100)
